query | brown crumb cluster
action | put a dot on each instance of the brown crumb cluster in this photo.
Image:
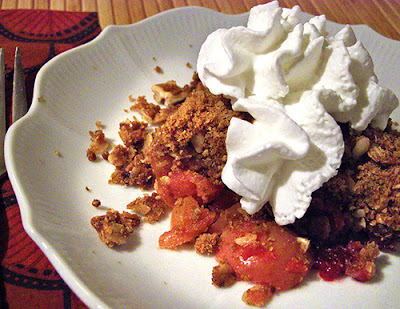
(158, 70)
(223, 275)
(114, 228)
(377, 188)
(152, 207)
(98, 144)
(151, 112)
(195, 134)
(130, 166)
(206, 243)
(147, 110)
(258, 295)
(363, 200)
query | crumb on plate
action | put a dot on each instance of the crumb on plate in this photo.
(114, 228)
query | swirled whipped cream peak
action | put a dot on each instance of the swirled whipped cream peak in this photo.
(297, 83)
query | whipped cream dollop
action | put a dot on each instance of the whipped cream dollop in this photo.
(297, 83)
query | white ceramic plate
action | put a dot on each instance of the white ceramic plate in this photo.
(92, 83)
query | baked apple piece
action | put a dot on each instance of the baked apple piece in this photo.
(264, 253)
(182, 184)
(188, 220)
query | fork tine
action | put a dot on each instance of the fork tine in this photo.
(19, 104)
(2, 91)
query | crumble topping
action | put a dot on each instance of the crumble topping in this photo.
(130, 166)
(146, 109)
(169, 92)
(377, 188)
(258, 295)
(206, 243)
(114, 228)
(223, 275)
(152, 207)
(363, 200)
(151, 112)
(195, 134)
(98, 144)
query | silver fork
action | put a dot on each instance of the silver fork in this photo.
(19, 103)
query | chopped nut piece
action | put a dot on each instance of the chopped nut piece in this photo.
(197, 142)
(223, 275)
(139, 206)
(118, 156)
(304, 243)
(105, 155)
(258, 295)
(169, 93)
(361, 147)
(136, 173)
(114, 228)
(246, 240)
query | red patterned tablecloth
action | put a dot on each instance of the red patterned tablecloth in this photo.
(28, 280)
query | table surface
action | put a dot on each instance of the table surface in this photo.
(381, 15)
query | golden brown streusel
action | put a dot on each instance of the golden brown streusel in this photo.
(136, 173)
(132, 132)
(130, 166)
(152, 207)
(206, 243)
(378, 201)
(114, 227)
(195, 134)
(98, 144)
(258, 295)
(376, 188)
(146, 109)
(223, 275)
(169, 92)
(364, 197)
